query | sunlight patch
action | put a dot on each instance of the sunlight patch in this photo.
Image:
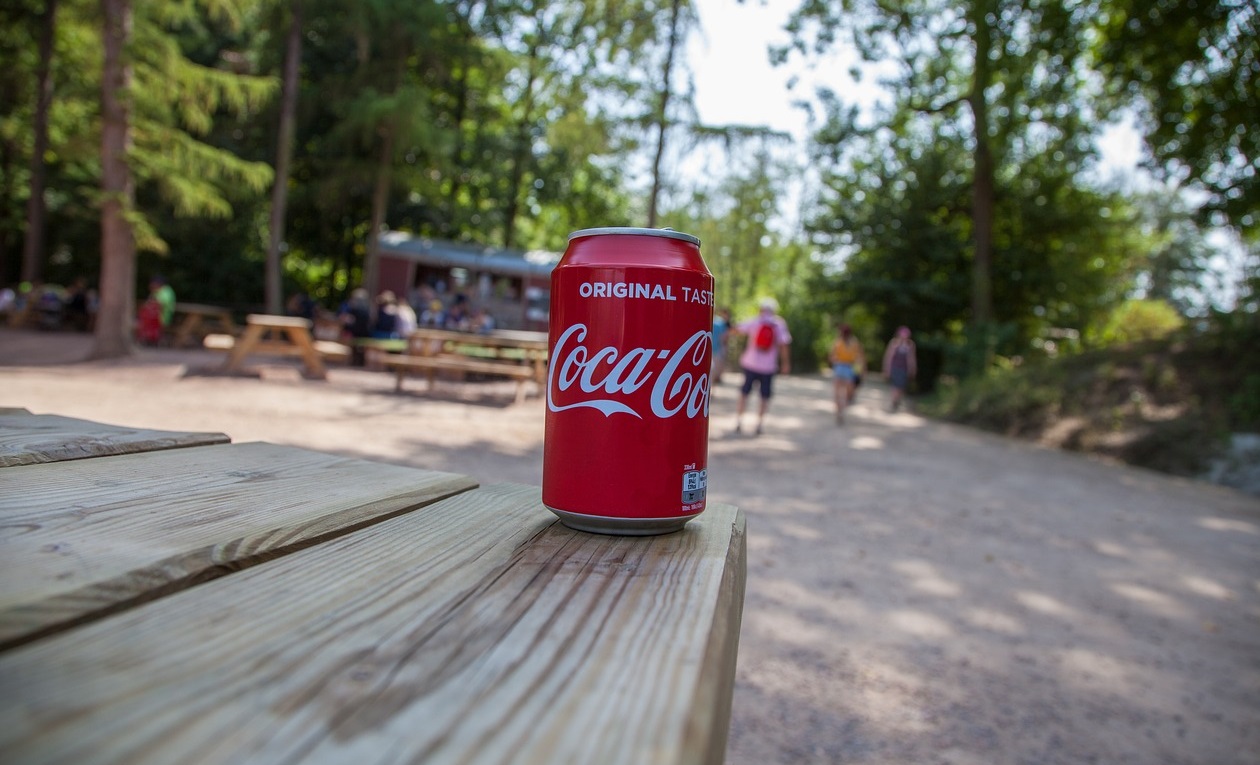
(920, 624)
(1112, 549)
(801, 531)
(1095, 670)
(1045, 604)
(924, 577)
(1154, 600)
(1200, 585)
(1229, 524)
(866, 443)
(994, 621)
(1157, 601)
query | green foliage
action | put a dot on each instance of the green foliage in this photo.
(175, 104)
(1244, 404)
(1166, 404)
(1193, 71)
(1136, 321)
(897, 203)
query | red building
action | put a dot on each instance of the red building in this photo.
(513, 286)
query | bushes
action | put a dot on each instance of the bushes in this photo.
(1135, 321)
(1165, 404)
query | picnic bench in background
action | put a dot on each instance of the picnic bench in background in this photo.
(370, 351)
(278, 336)
(193, 321)
(229, 603)
(520, 356)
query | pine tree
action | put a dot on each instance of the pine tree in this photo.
(155, 104)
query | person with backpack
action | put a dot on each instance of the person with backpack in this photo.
(764, 356)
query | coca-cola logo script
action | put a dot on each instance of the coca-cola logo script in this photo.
(606, 378)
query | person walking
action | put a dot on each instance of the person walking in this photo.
(900, 365)
(846, 358)
(764, 356)
(721, 341)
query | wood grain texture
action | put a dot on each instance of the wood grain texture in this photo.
(477, 631)
(82, 539)
(28, 439)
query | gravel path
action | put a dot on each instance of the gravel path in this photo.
(917, 592)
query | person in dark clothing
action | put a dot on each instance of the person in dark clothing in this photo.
(385, 323)
(356, 322)
(900, 365)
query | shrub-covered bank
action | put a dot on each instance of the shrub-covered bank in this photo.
(1170, 405)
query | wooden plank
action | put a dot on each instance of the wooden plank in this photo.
(461, 363)
(278, 322)
(195, 320)
(28, 439)
(325, 348)
(477, 631)
(402, 364)
(84, 539)
(219, 342)
(330, 349)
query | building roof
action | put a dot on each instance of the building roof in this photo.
(446, 254)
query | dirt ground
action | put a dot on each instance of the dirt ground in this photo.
(917, 592)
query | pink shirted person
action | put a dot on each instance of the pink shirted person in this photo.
(764, 356)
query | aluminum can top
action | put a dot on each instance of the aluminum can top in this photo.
(667, 233)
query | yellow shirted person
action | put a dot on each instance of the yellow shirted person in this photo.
(846, 359)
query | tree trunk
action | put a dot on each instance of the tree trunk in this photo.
(284, 153)
(675, 18)
(520, 153)
(982, 187)
(458, 151)
(460, 88)
(33, 246)
(118, 248)
(380, 200)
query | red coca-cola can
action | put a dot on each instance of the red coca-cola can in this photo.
(627, 425)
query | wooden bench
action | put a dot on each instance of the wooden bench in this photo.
(369, 351)
(433, 350)
(194, 321)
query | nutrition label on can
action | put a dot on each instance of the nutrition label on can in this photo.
(695, 483)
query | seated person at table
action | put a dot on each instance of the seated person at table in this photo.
(406, 319)
(385, 324)
(356, 322)
(457, 318)
(301, 304)
(80, 305)
(482, 322)
(433, 315)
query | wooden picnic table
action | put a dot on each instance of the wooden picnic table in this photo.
(193, 321)
(251, 602)
(290, 336)
(521, 356)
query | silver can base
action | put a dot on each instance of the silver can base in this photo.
(626, 527)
